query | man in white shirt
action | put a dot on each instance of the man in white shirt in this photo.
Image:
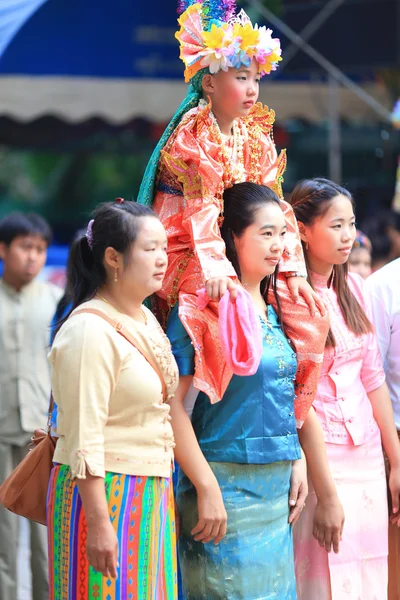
(384, 288)
(26, 309)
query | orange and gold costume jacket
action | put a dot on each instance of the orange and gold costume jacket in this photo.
(194, 171)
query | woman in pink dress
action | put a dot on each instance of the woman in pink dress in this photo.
(353, 407)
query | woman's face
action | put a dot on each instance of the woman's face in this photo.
(147, 264)
(360, 262)
(331, 236)
(260, 246)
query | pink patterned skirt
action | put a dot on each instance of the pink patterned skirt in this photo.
(360, 570)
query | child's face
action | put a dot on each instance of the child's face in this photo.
(24, 258)
(235, 91)
(360, 262)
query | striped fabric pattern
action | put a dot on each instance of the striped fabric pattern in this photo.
(141, 510)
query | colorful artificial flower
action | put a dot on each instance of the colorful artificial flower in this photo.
(249, 38)
(396, 115)
(218, 36)
(209, 42)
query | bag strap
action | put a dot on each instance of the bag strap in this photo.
(50, 414)
(120, 328)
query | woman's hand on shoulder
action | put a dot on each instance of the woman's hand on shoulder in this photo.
(298, 489)
(212, 521)
(328, 524)
(102, 548)
(299, 286)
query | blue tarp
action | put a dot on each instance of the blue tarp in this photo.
(95, 38)
(135, 38)
(13, 15)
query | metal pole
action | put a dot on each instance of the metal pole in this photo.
(322, 61)
(309, 30)
(334, 141)
(398, 30)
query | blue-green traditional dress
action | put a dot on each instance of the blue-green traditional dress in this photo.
(250, 440)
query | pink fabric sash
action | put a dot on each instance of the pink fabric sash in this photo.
(239, 331)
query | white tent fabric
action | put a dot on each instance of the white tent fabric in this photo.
(118, 100)
(75, 99)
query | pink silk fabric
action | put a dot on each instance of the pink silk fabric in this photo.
(239, 331)
(190, 182)
(349, 372)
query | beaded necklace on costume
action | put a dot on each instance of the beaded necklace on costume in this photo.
(233, 162)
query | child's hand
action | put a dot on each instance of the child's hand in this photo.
(217, 286)
(299, 285)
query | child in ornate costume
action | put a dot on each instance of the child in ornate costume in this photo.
(220, 136)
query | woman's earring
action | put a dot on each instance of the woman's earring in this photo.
(116, 275)
(306, 245)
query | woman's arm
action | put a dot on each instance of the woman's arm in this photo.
(383, 413)
(298, 489)
(85, 363)
(329, 515)
(102, 541)
(212, 514)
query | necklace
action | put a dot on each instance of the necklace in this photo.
(234, 171)
(107, 302)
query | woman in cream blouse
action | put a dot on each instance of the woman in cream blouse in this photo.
(110, 502)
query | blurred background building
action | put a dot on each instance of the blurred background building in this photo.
(86, 89)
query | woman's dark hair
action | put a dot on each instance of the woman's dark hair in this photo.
(311, 199)
(241, 203)
(114, 225)
(19, 224)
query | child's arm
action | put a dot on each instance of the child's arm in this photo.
(292, 263)
(273, 167)
(200, 182)
(293, 257)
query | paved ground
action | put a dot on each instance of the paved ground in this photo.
(24, 571)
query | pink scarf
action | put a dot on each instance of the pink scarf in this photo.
(239, 331)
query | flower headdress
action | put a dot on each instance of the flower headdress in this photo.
(212, 36)
(362, 241)
(396, 115)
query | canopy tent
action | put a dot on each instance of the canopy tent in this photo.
(118, 61)
(87, 86)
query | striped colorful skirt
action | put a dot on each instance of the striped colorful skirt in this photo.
(255, 559)
(142, 512)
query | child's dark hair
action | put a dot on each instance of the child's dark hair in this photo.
(114, 225)
(19, 224)
(241, 202)
(310, 199)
